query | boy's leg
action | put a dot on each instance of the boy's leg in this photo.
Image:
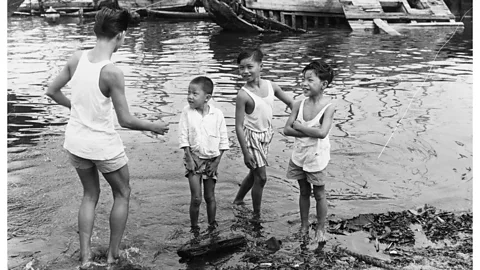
(195, 183)
(321, 199)
(119, 182)
(259, 181)
(209, 195)
(245, 187)
(86, 214)
(304, 203)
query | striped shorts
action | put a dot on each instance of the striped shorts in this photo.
(258, 144)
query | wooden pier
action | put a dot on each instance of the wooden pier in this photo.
(388, 15)
(361, 15)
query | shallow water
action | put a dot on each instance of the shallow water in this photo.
(413, 91)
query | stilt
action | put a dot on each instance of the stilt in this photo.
(294, 21)
(282, 17)
(315, 21)
(304, 23)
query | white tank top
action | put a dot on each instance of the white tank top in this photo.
(260, 120)
(313, 154)
(90, 132)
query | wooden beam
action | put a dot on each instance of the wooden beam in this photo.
(383, 25)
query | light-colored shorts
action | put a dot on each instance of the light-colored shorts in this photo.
(297, 172)
(104, 166)
(200, 167)
(258, 144)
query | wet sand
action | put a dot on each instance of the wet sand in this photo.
(44, 194)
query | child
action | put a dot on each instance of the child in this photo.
(310, 123)
(253, 124)
(90, 138)
(203, 136)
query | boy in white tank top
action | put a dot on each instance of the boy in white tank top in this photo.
(310, 123)
(253, 124)
(90, 138)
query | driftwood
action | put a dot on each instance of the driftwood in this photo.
(214, 243)
(368, 259)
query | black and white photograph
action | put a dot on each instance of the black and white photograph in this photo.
(239, 134)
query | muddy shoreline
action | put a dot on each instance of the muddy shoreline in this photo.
(44, 194)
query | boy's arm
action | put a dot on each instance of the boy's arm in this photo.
(288, 130)
(239, 118)
(183, 130)
(112, 77)
(321, 132)
(280, 94)
(223, 134)
(54, 90)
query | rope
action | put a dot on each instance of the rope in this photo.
(429, 72)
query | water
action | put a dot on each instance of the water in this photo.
(379, 77)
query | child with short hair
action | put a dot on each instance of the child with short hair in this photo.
(310, 123)
(92, 144)
(253, 124)
(203, 136)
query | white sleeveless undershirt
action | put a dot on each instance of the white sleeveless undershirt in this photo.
(90, 132)
(260, 120)
(313, 154)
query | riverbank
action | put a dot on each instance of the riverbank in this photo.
(44, 194)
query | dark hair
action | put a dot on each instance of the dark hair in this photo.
(321, 69)
(256, 54)
(109, 22)
(205, 83)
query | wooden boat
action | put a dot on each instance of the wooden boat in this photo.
(61, 6)
(310, 14)
(71, 6)
(177, 14)
(165, 5)
(235, 17)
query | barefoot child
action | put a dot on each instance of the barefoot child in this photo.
(253, 124)
(90, 138)
(203, 136)
(310, 123)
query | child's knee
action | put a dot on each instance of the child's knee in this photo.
(196, 200)
(209, 198)
(306, 192)
(320, 194)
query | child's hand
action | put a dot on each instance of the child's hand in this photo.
(212, 167)
(190, 165)
(249, 161)
(160, 127)
(297, 125)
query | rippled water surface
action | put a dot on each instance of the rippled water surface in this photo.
(378, 78)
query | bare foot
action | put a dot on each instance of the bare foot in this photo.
(320, 236)
(239, 202)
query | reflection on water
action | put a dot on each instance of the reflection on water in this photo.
(378, 78)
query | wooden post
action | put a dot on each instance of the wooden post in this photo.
(315, 21)
(294, 21)
(80, 13)
(270, 15)
(304, 22)
(282, 17)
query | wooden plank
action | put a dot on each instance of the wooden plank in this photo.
(383, 25)
(325, 6)
(400, 16)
